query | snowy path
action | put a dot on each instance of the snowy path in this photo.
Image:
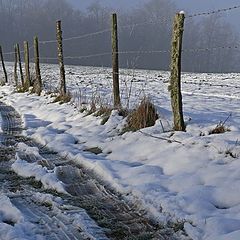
(51, 215)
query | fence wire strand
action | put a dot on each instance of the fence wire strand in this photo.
(12, 53)
(213, 12)
(133, 25)
(194, 50)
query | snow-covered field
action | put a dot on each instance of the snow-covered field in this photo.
(194, 178)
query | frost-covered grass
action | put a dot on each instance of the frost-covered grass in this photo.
(194, 177)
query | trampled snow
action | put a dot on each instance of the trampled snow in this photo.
(195, 177)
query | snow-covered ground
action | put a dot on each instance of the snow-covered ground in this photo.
(195, 177)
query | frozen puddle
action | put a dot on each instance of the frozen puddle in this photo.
(52, 198)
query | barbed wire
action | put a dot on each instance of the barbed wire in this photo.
(133, 25)
(139, 52)
(77, 37)
(107, 53)
(213, 12)
(209, 49)
(12, 53)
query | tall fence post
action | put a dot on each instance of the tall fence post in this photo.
(15, 65)
(20, 64)
(3, 65)
(63, 90)
(27, 82)
(38, 83)
(175, 80)
(115, 63)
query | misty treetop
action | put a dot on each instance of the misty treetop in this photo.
(23, 19)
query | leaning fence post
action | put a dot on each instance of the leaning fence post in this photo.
(27, 82)
(20, 64)
(15, 65)
(60, 59)
(38, 86)
(115, 63)
(175, 80)
(3, 65)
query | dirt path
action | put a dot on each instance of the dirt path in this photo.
(106, 215)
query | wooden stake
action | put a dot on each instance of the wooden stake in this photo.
(175, 81)
(27, 82)
(38, 84)
(15, 65)
(3, 65)
(60, 59)
(115, 63)
(20, 63)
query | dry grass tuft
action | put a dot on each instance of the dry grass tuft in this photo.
(220, 128)
(63, 98)
(104, 112)
(145, 115)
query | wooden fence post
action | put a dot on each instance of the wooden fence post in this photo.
(27, 82)
(38, 83)
(115, 63)
(15, 65)
(20, 64)
(175, 80)
(63, 90)
(3, 65)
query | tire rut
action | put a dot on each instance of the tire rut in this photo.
(116, 217)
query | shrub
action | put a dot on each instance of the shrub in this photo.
(145, 115)
(63, 98)
(220, 128)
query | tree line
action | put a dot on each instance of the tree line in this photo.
(22, 19)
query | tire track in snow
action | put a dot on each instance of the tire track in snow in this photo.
(116, 217)
(49, 219)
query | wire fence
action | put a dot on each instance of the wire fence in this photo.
(213, 12)
(128, 77)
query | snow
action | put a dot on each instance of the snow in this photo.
(19, 228)
(47, 177)
(193, 178)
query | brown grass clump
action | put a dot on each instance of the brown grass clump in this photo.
(220, 128)
(63, 98)
(145, 115)
(104, 112)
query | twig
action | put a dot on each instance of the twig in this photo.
(161, 138)
(223, 123)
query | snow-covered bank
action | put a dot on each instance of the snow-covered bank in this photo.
(197, 180)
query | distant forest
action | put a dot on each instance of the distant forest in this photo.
(23, 19)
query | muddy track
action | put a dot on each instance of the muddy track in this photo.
(116, 218)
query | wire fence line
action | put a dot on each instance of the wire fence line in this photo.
(108, 30)
(13, 53)
(142, 52)
(207, 49)
(213, 12)
(132, 26)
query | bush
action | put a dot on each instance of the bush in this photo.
(63, 98)
(220, 128)
(145, 115)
